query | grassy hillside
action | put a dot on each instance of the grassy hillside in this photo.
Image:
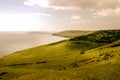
(49, 52)
(73, 33)
(65, 60)
(103, 36)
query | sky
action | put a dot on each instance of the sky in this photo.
(59, 15)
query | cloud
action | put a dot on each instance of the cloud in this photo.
(97, 7)
(42, 3)
(38, 14)
(85, 4)
(107, 12)
(28, 14)
(86, 10)
(76, 4)
(75, 17)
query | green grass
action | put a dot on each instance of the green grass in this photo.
(103, 36)
(73, 33)
(65, 60)
(49, 52)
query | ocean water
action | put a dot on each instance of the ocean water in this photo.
(15, 41)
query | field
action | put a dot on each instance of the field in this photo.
(73, 33)
(88, 57)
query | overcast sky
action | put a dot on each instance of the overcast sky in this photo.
(56, 15)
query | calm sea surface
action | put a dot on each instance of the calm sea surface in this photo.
(15, 41)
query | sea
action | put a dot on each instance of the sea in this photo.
(17, 40)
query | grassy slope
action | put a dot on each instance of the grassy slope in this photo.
(49, 52)
(73, 33)
(103, 36)
(66, 60)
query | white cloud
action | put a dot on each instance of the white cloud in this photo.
(104, 10)
(28, 14)
(38, 14)
(42, 3)
(81, 4)
(107, 12)
(75, 18)
(86, 4)
(28, 3)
